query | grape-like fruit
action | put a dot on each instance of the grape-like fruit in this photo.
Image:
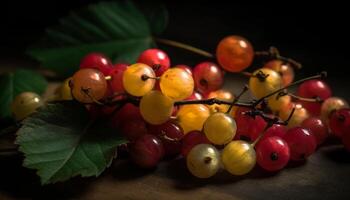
(301, 143)
(134, 129)
(317, 128)
(97, 61)
(248, 128)
(127, 113)
(116, 82)
(299, 115)
(170, 134)
(185, 67)
(208, 77)
(25, 104)
(277, 103)
(147, 151)
(195, 96)
(264, 81)
(223, 95)
(203, 161)
(330, 105)
(313, 89)
(272, 154)
(88, 85)
(192, 117)
(275, 130)
(191, 139)
(234, 53)
(339, 122)
(284, 69)
(177, 84)
(156, 108)
(155, 58)
(64, 91)
(238, 157)
(135, 79)
(220, 128)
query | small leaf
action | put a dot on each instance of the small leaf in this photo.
(59, 142)
(14, 83)
(118, 29)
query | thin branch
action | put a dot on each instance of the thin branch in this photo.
(244, 90)
(273, 53)
(185, 46)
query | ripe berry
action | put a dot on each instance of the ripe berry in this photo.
(208, 77)
(155, 58)
(97, 61)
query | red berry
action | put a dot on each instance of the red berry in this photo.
(301, 143)
(134, 129)
(195, 96)
(317, 128)
(339, 122)
(272, 153)
(248, 128)
(97, 61)
(155, 58)
(208, 77)
(275, 130)
(313, 89)
(170, 134)
(147, 151)
(185, 67)
(116, 82)
(191, 139)
(126, 113)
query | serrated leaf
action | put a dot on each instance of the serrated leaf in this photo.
(118, 29)
(14, 83)
(59, 143)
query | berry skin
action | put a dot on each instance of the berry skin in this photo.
(262, 86)
(155, 58)
(301, 143)
(339, 122)
(134, 129)
(330, 105)
(275, 130)
(223, 95)
(195, 96)
(97, 61)
(203, 161)
(191, 139)
(346, 139)
(128, 112)
(64, 91)
(277, 103)
(234, 53)
(299, 115)
(25, 104)
(156, 108)
(134, 82)
(116, 82)
(238, 157)
(185, 67)
(248, 128)
(171, 135)
(317, 128)
(88, 85)
(272, 153)
(220, 128)
(313, 89)
(147, 151)
(208, 77)
(192, 117)
(177, 84)
(284, 69)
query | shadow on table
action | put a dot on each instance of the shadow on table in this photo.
(20, 182)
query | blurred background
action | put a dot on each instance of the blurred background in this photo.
(316, 34)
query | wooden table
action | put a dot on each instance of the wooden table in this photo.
(325, 175)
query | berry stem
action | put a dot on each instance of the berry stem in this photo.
(273, 53)
(211, 102)
(185, 46)
(321, 75)
(244, 90)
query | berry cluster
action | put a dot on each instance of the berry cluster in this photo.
(167, 111)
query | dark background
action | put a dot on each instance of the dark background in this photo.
(313, 34)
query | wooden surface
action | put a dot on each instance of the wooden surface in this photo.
(325, 175)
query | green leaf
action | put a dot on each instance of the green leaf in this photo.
(118, 29)
(59, 142)
(14, 83)
(156, 14)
